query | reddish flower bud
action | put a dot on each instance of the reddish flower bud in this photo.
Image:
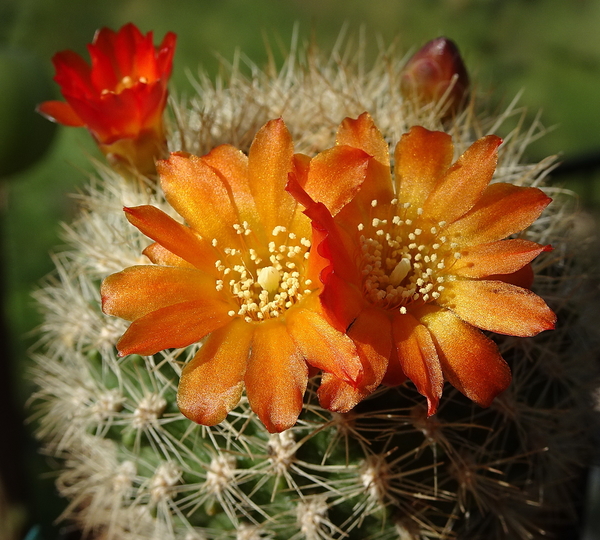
(120, 98)
(434, 72)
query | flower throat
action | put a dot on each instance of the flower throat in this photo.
(405, 258)
(264, 282)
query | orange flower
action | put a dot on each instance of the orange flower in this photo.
(434, 70)
(241, 273)
(121, 97)
(416, 264)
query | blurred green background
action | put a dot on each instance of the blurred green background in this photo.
(549, 48)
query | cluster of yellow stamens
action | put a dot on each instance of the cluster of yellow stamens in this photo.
(125, 82)
(405, 257)
(264, 280)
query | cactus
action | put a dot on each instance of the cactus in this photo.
(133, 467)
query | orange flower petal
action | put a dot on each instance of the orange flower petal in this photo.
(363, 133)
(212, 383)
(160, 255)
(173, 326)
(231, 165)
(276, 377)
(323, 346)
(192, 188)
(394, 376)
(418, 358)
(498, 307)
(521, 278)
(174, 236)
(503, 209)
(501, 257)
(139, 290)
(464, 182)
(470, 361)
(269, 164)
(336, 175)
(421, 157)
(371, 332)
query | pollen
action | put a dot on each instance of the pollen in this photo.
(263, 279)
(404, 256)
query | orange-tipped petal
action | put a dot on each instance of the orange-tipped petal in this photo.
(503, 209)
(160, 255)
(470, 361)
(139, 290)
(363, 133)
(464, 182)
(276, 377)
(421, 157)
(192, 188)
(173, 326)
(418, 358)
(322, 345)
(371, 332)
(61, 112)
(231, 165)
(269, 164)
(501, 257)
(336, 175)
(174, 236)
(212, 383)
(498, 307)
(521, 278)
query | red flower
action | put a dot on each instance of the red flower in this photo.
(121, 97)
(415, 265)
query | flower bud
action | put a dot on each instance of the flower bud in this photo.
(436, 72)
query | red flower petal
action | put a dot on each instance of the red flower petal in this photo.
(342, 301)
(61, 112)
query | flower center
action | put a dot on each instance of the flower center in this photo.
(264, 281)
(125, 82)
(405, 257)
